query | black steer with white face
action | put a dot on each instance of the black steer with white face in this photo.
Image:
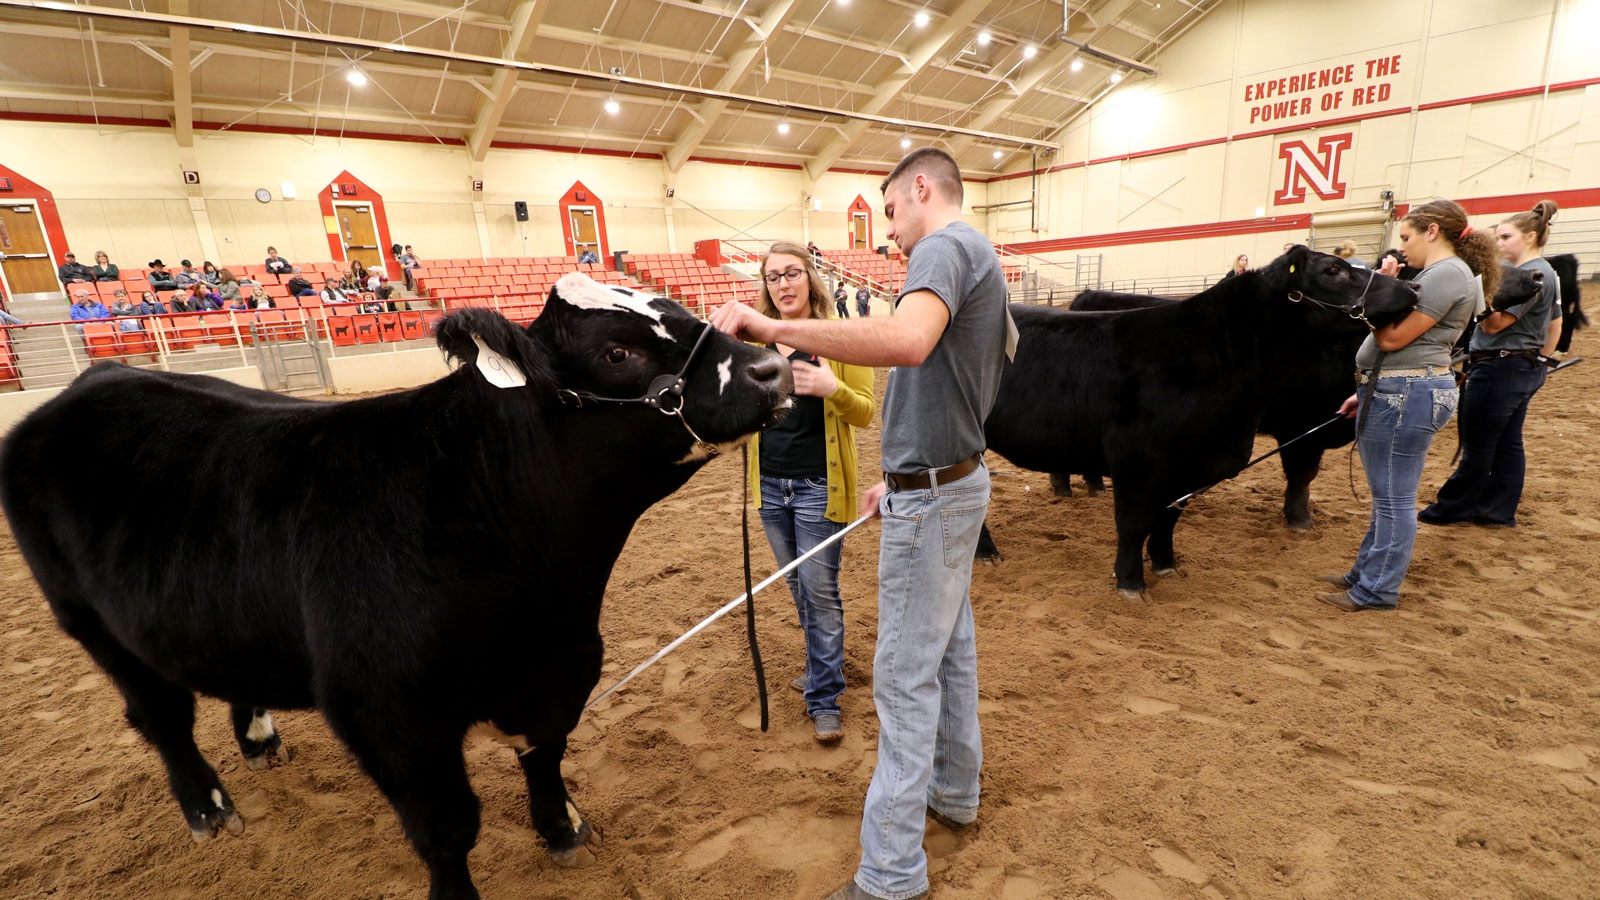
(1167, 400)
(411, 565)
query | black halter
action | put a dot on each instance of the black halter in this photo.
(664, 394)
(1357, 310)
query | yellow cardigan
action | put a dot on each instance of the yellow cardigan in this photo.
(849, 407)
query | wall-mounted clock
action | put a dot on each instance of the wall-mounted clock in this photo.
(263, 195)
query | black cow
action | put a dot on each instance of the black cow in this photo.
(1315, 380)
(1517, 286)
(1167, 400)
(411, 565)
(1572, 316)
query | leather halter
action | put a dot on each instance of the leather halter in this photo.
(1356, 310)
(662, 391)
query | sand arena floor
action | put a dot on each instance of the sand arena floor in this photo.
(1229, 738)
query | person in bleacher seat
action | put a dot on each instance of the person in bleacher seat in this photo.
(276, 264)
(203, 298)
(228, 289)
(86, 307)
(6, 318)
(331, 293)
(208, 273)
(150, 304)
(71, 271)
(298, 287)
(408, 261)
(160, 278)
(588, 256)
(104, 269)
(187, 275)
(124, 310)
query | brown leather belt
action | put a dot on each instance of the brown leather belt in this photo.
(924, 480)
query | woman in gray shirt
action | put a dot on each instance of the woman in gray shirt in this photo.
(1407, 393)
(1504, 371)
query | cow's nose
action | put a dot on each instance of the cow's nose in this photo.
(771, 371)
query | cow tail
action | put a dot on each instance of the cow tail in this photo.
(749, 595)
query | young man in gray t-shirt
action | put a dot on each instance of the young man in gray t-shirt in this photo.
(945, 342)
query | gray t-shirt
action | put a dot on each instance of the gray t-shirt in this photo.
(1450, 293)
(933, 414)
(1533, 318)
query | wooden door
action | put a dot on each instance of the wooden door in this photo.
(360, 234)
(861, 240)
(24, 252)
(585, 234)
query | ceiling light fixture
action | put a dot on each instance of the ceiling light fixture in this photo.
(921, 18)
(1077, 65)
(783, 127)
(613, 107)
(1116, 77)
(984, 38)
(1029, 52)
(356, 77)
(905, 143)
(998, 154)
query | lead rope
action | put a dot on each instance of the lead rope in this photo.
(750, 596)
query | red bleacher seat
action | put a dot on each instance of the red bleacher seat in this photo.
(100, 339)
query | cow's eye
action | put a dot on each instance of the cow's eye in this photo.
(616, 356)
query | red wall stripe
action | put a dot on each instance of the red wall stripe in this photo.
(1160, 235)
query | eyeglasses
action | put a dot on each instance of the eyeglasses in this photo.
(786, 275)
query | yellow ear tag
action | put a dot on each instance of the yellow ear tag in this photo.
(496, 369)
(1291, 269)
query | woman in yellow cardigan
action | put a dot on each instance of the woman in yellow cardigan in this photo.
(803, 473)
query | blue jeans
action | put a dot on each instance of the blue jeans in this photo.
(1401, 421)
(1487, 485)
(793, 515)
(924, 680)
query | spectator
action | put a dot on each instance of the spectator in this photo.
(150, 304)
(104, 268)
(841, 301)
(122, 309)
(408, 261)
(370, 304)
(86, 307)
(1240, 264)
(227, 289)
(1347, 252)
(863, 302)
(816, 254)
(263, 300)
(208, 273)
(276, 264)
(180, 302)
(73, 272)
(202, 298)
(299, 287)
(331, 293)
(359, 270)
(588, 256)
(160, 278)
(349, 282)
(6, 318)
(188, 275)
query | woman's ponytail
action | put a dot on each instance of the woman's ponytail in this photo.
(1535, 221)
(1476, 249)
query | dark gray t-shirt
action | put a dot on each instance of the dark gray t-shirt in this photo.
(1450, 293)
(933, 414)
(1533, 318)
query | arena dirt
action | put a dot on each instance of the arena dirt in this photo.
(1228, 738)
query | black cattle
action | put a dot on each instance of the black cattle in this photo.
(1167, 400)
(1314, 381)
(1572, 316)
(415, 566)
(1517, 286)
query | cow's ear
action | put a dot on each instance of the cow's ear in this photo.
(504, 354)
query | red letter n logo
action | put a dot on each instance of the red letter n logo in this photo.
(1319, 172)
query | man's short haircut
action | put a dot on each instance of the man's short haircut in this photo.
(936, 165)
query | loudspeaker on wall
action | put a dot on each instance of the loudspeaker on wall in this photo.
(521, 206)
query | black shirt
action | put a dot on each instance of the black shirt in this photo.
(796, 447)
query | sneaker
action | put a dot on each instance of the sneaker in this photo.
(828, 729)
(1338, 581)
(799, 685)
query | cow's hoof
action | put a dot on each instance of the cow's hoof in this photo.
(1129, 594)
(1299, 526)
(581, 853)
(276, 755)
(1061, 485)
(1166, 571)
(209, 825)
